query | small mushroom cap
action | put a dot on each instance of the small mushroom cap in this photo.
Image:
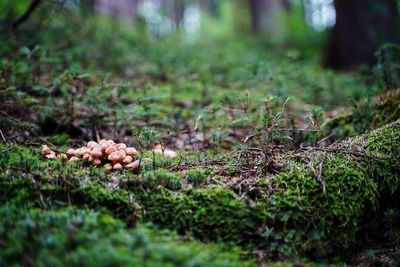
(86, 156)
(158, 146)
(137, 164)
(122, 154)
(72, 159)
(134, 165)
(103, 142)
(46, 150)
(92, 144)
(157, 151)
(127, 160)
(79, 152)
(170, 154)
(108, 166)
(51, 156)
(71, 152)
(131, 151)
(96, 152)
(117, 166)
(85, 150)
(110, 149)
(114, 156)
(104, 146)
(120, 146)
(96, 161)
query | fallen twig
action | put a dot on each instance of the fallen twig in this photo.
(2, 136)
(320, 169)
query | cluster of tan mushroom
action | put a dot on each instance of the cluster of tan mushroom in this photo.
(50, 154)
(115, 156)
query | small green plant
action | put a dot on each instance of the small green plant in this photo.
(388, 66)
(169, 180)
(198, 176)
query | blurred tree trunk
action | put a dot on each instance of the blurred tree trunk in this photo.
(361, 27)
(117, 8)
(258, 8)
(87, 7)
(177, 10)
(264, 12)
(242, 17)
(135, 5)
(174, 10)
(286, 4)
(210, 7)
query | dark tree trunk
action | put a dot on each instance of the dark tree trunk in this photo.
(135, 5)
(263, 13)
(255, 10)
(209, 7)
(286, 4)
(361, 27)
(179, 10)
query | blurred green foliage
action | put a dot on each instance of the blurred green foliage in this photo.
(11, 9)
(94, 73)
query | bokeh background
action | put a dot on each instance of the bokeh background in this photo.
(342, 34)
(188, 64)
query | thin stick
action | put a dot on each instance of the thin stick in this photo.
(97, 134)
(33, 5)
(20, 133)
(2, 136)
(326, 137)
(320, 169)
(197, 122)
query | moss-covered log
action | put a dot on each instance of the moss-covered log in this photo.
(368, 114)
(313, 207)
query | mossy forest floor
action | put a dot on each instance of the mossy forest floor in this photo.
(280, 161)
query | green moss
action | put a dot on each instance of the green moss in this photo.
(355, 173)
(304, 210)
(197, 176)
(325, 214)
(169, 180)
(369, 114)
(56, 182)
(342, 125)
(71, 237)
(383, 146)
(212, 213)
